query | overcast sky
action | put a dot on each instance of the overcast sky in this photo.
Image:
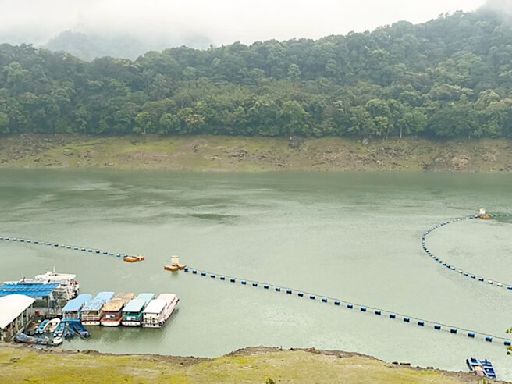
(222, 21)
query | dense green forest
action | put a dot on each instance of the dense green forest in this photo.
(450, 77)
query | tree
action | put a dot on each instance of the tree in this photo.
(142, 122)
(4, 123)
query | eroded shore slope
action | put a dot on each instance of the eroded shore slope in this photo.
(217, 153)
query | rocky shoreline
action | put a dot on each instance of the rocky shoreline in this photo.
(218, 153)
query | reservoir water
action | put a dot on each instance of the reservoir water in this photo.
(353, 236)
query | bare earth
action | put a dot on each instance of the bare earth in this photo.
(217, 153)
(20, 364)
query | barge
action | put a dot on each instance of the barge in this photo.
(133, 315)
(159, 310)
(112, 310)
(92, 312)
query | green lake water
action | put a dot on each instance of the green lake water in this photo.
(352, 236)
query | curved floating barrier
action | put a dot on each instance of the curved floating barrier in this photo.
(377, 312)
(460, 271)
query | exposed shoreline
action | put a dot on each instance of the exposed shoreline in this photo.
(249, 365)
(253, 154)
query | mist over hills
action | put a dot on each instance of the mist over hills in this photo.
(90, 46)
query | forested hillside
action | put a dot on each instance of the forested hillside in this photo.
(450, 77)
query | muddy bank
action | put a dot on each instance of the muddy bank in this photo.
(216, 153)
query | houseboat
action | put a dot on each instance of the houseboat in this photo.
(92, 312)
(73, 307)
(68, 284)
(159, 310)
(113, 309)
(133, 311)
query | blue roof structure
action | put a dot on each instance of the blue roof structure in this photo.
(77, 303)
(99, 300)
(138, 304)
(27, 289)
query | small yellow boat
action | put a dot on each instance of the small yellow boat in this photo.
(175, 265)
(133, 259)
(483, 215)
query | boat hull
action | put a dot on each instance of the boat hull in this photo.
(91, 322)
(131, 323)
(110, 323)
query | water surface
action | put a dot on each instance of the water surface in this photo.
(352, 236)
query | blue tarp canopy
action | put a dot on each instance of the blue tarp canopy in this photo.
(27, 289)
(77, 303)
(138, 304)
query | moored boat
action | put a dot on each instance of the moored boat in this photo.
(92, 312)
(112, 310)
(175, 265)
(133, 311)
(159, 310)
(482, 368)
(53, 324)
(133, 259)
(73, 307)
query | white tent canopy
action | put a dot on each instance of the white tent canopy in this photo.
(11, 306)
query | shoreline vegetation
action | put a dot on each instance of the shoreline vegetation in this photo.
(250, 365)
(253, 154)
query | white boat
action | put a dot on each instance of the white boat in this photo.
(68, 284)
(53, 324)
(159, 310)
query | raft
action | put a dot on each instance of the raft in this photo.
(133, 259)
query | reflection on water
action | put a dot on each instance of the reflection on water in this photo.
(353, 236)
